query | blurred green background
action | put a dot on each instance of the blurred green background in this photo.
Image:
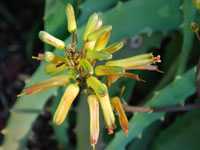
(161, 27)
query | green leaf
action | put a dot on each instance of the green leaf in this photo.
(91, 6)
(145, 141)
(189, 15)
(173, 94)
(83, 124)
(182, 134)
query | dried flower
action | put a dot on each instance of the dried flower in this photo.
(116, 103)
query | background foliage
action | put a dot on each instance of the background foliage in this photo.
(158, 26)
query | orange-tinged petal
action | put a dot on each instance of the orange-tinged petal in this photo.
(94, 118)
(69, 96)
(113, 78)
(107, 112)
(61, 80)
(116, 103)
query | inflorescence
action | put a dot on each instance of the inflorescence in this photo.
(83, 73)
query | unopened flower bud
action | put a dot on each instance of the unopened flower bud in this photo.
(116, 103)
(91, 45)
(98, 55)
(91, 25)
(107, 112)
(87, 67)
(98, 87)
(52, 58)
(73, 73)
(97, 33)
(194, 27)
(113, 47)
(53, 69)
(49, 39)
(135, 61)
(69, 96)
(197, 4)
(102, 41)
(61, 80)
(94, 118)
(71, 18)
(109, 70)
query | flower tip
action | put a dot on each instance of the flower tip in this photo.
(110, 131)
(56, 121)
(194, 27)
(125, 129)
(126, 132)
(39, 57)
(21, 94)
(157, 59)
(93, 146)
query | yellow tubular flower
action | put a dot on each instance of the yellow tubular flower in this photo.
(71, 18)
(53, 69)
(107, 112)
(113, 47)
(99, 88)
(87, 67)
(61, 80)
(94, 119)
(102, 41)
(98, 55)
(91, 45)
(91, 25)
(69, 96)
(135, 61)
(116, 103)
(97, 33)
(51, 40)
(109, 70)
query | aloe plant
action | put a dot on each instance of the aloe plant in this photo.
(154, 21)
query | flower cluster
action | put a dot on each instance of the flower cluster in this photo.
(83, 73)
